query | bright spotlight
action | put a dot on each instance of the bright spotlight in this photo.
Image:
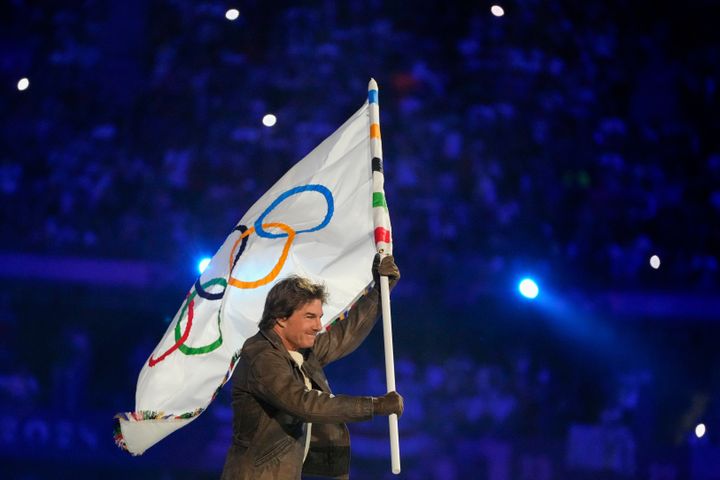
(528, 288)
(655, 262)
(700, 430)
(269, 120)
(23, 84)
(202, 265)
(232, 14)
(497, 10)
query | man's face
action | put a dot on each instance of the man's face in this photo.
(299, 329)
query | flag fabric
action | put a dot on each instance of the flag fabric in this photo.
(320, 220)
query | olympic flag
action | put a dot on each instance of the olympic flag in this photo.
(324, 219)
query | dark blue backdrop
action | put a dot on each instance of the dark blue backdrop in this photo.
(566, 141)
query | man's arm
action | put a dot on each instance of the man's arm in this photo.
(272, 379)
(346, 335)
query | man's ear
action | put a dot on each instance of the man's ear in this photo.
(281, 322)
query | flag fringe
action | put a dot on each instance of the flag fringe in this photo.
(344, 313)
(143, 415)
(118, 436)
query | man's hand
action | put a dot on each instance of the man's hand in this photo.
(386, 268)
(388, 404)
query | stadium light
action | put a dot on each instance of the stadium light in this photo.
(202, 265)
(269, 120)
(497, 10)
(528, 288)
(655, 262)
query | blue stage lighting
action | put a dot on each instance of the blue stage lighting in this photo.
(528, 288)
(202, 265)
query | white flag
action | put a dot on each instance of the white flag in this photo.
(316, 221)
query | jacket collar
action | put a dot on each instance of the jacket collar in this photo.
(317, 378)
(273, 338)
(275, 341)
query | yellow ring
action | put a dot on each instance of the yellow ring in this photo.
(278, 266)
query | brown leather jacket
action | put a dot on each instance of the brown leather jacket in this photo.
(271, 404)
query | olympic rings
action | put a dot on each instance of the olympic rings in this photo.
(207, 295)
(242, 229)
(240, 244)
(304, 188)
(189, 304)
(154, 361)
(217, 296)
(244, 234)
(278, 266)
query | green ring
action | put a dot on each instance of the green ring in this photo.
(211, 346)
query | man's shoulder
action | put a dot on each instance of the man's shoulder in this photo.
(257, 347)
(254, 344)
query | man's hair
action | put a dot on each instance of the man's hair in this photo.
(287, 296)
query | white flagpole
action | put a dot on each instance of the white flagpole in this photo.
(381, 219)
(390, 372)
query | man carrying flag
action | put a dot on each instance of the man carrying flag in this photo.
(286, 421)
(323, 220)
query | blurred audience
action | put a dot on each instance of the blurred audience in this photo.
(575, 139)
(551, 134)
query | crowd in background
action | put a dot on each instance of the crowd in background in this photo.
(519, 404)
(572, 138)
(575, 140)
(479, 397)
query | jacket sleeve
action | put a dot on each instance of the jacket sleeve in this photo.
(272, 379)
(344, 336)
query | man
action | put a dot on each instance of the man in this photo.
(286, 421)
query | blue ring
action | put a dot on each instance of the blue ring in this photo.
(317, 188)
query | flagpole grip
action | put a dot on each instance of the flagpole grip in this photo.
(390, 372)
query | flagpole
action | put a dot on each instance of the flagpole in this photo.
(381, 219)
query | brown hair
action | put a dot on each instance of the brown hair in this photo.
(287, 296)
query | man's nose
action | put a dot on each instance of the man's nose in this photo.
(318, 325)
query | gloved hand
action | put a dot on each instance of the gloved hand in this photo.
(387, 404)
(387, 268)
